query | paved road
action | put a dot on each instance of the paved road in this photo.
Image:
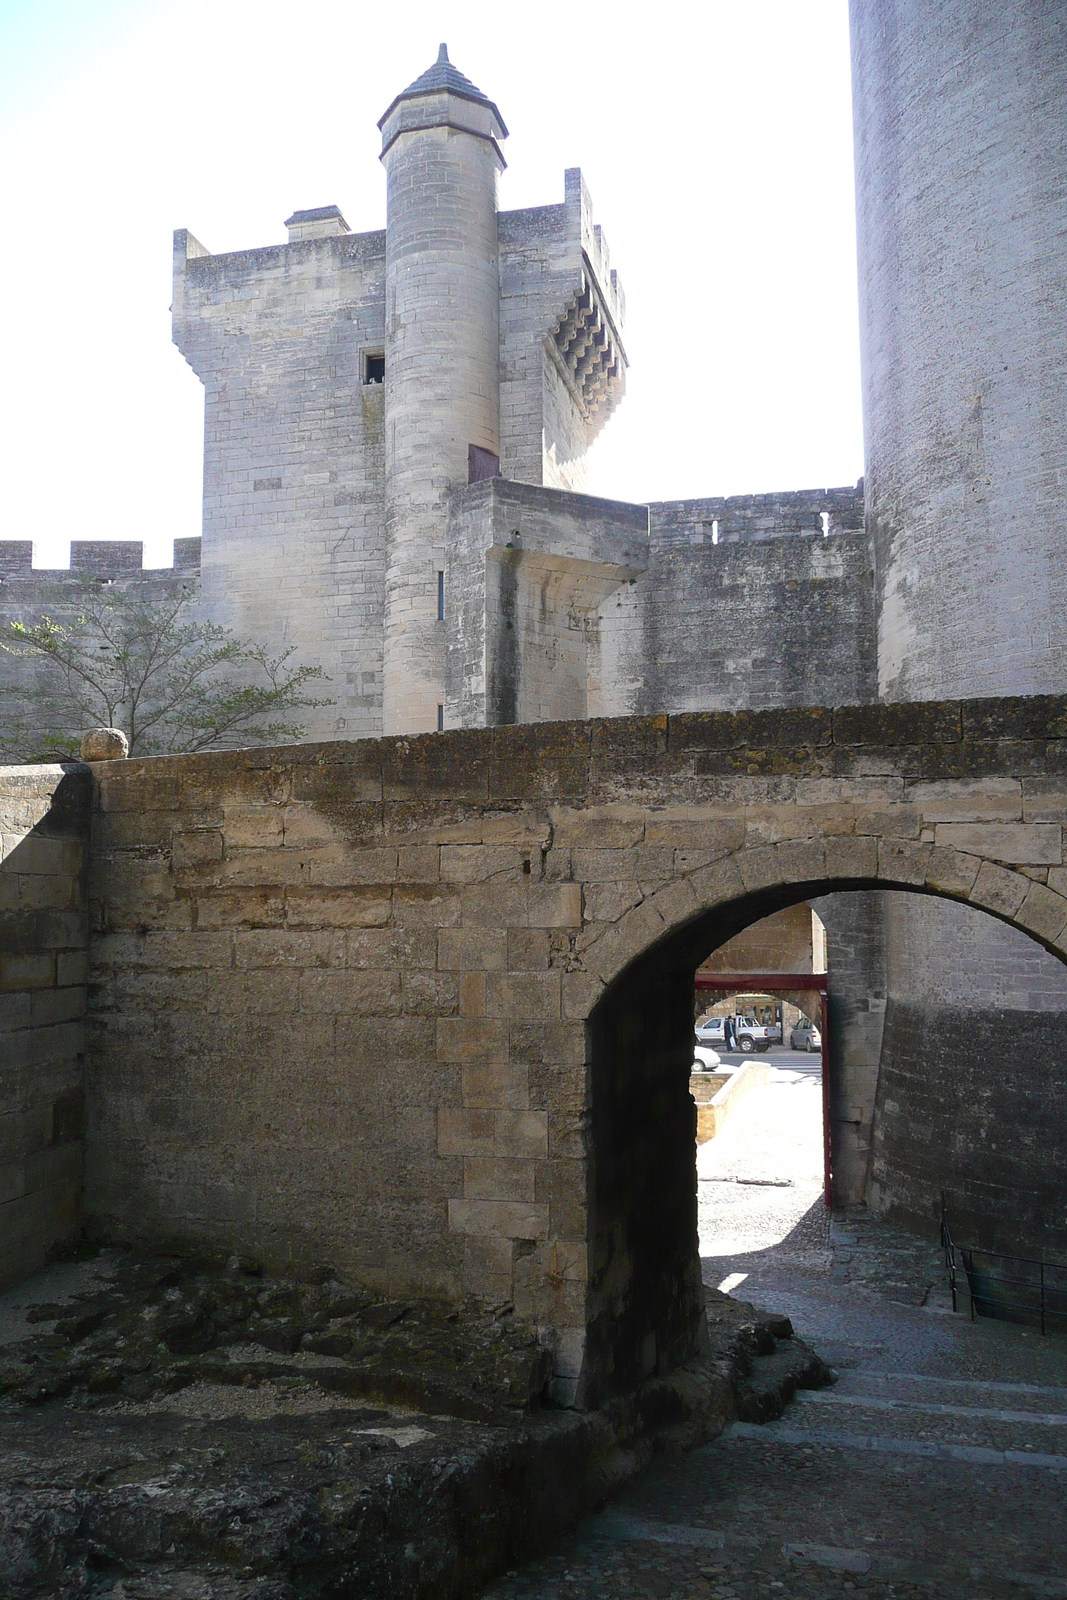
(935, 1466)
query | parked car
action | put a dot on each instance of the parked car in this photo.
(748, 1034)
(705, 1060)
(752, 1035)
(805, 1036)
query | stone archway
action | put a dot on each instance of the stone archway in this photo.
(351, 1000)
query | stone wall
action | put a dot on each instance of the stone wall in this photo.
(27, 594)
(44, 817)
(359, 1002)
(294, 496)
(770, 611)
(529, 570)
(972, 1083)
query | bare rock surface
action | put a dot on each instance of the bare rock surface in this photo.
(176, 1425)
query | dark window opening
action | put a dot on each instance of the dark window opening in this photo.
(440, 597)
(374, 369)
(440, 719)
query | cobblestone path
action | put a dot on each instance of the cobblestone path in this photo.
(935, 1466)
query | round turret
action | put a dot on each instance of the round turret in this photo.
(440, 148)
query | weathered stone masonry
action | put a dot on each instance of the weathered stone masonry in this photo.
(382, 1003)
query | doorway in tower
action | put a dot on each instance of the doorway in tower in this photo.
(761, 1091)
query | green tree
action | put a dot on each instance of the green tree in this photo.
(148, 665)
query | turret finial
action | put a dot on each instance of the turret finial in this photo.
(442, 56)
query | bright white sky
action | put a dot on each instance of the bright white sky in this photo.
(716, 139)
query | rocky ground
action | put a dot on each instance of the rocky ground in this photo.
(935, 1465)
(182, 1426)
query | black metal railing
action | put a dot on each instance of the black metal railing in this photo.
(1007, 1287)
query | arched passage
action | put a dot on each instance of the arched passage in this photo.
(645, 1295)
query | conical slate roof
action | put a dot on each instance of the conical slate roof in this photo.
(443, 77)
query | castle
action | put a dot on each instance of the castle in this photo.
(396, 432)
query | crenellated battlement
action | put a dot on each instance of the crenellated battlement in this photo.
(752, 518)
(107, 560)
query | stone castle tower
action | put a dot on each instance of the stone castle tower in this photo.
(354, 381)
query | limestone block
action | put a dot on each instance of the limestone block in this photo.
(849, 857)
(340, 866)
(465, 949)
(287, 947)
(498, 905)
(1030, 844)
(429, 904)
(248, 994)
(903, 861)
(599, 828)
(521, 1133)
(362, 906)
(362, 992)
(951, 871)
(760, 869)
(44, 891)
(968, 800)
(255, 867)
(509, 1219)
(72, 967)
(253, 827)
(898, 822)
(466, 1132)
(472, 1039)
(1044, 912)
(197, 848)
(801, 860)
(27, 971)
(493, 1178)
(392, 947)
(474, 863)
(1045, 800)
(675, 902)
(523, 996)
(580, 991)
(486, 1266)
(498, 1084)
(104, 744)
(34, 853)
(529, 950)
(554, 905)
(418, 863)
(607, 902)
(999, 889)
(472, 994)
(429, 994)
(304, 825)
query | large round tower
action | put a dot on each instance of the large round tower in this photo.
(442, 159)
(961, 179)
(960, 112)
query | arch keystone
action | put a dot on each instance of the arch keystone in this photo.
(849, 856)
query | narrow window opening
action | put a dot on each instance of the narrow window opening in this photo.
(440, 597)
(715, 530)
(825, 515)
(440, 719)
(373, 368)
